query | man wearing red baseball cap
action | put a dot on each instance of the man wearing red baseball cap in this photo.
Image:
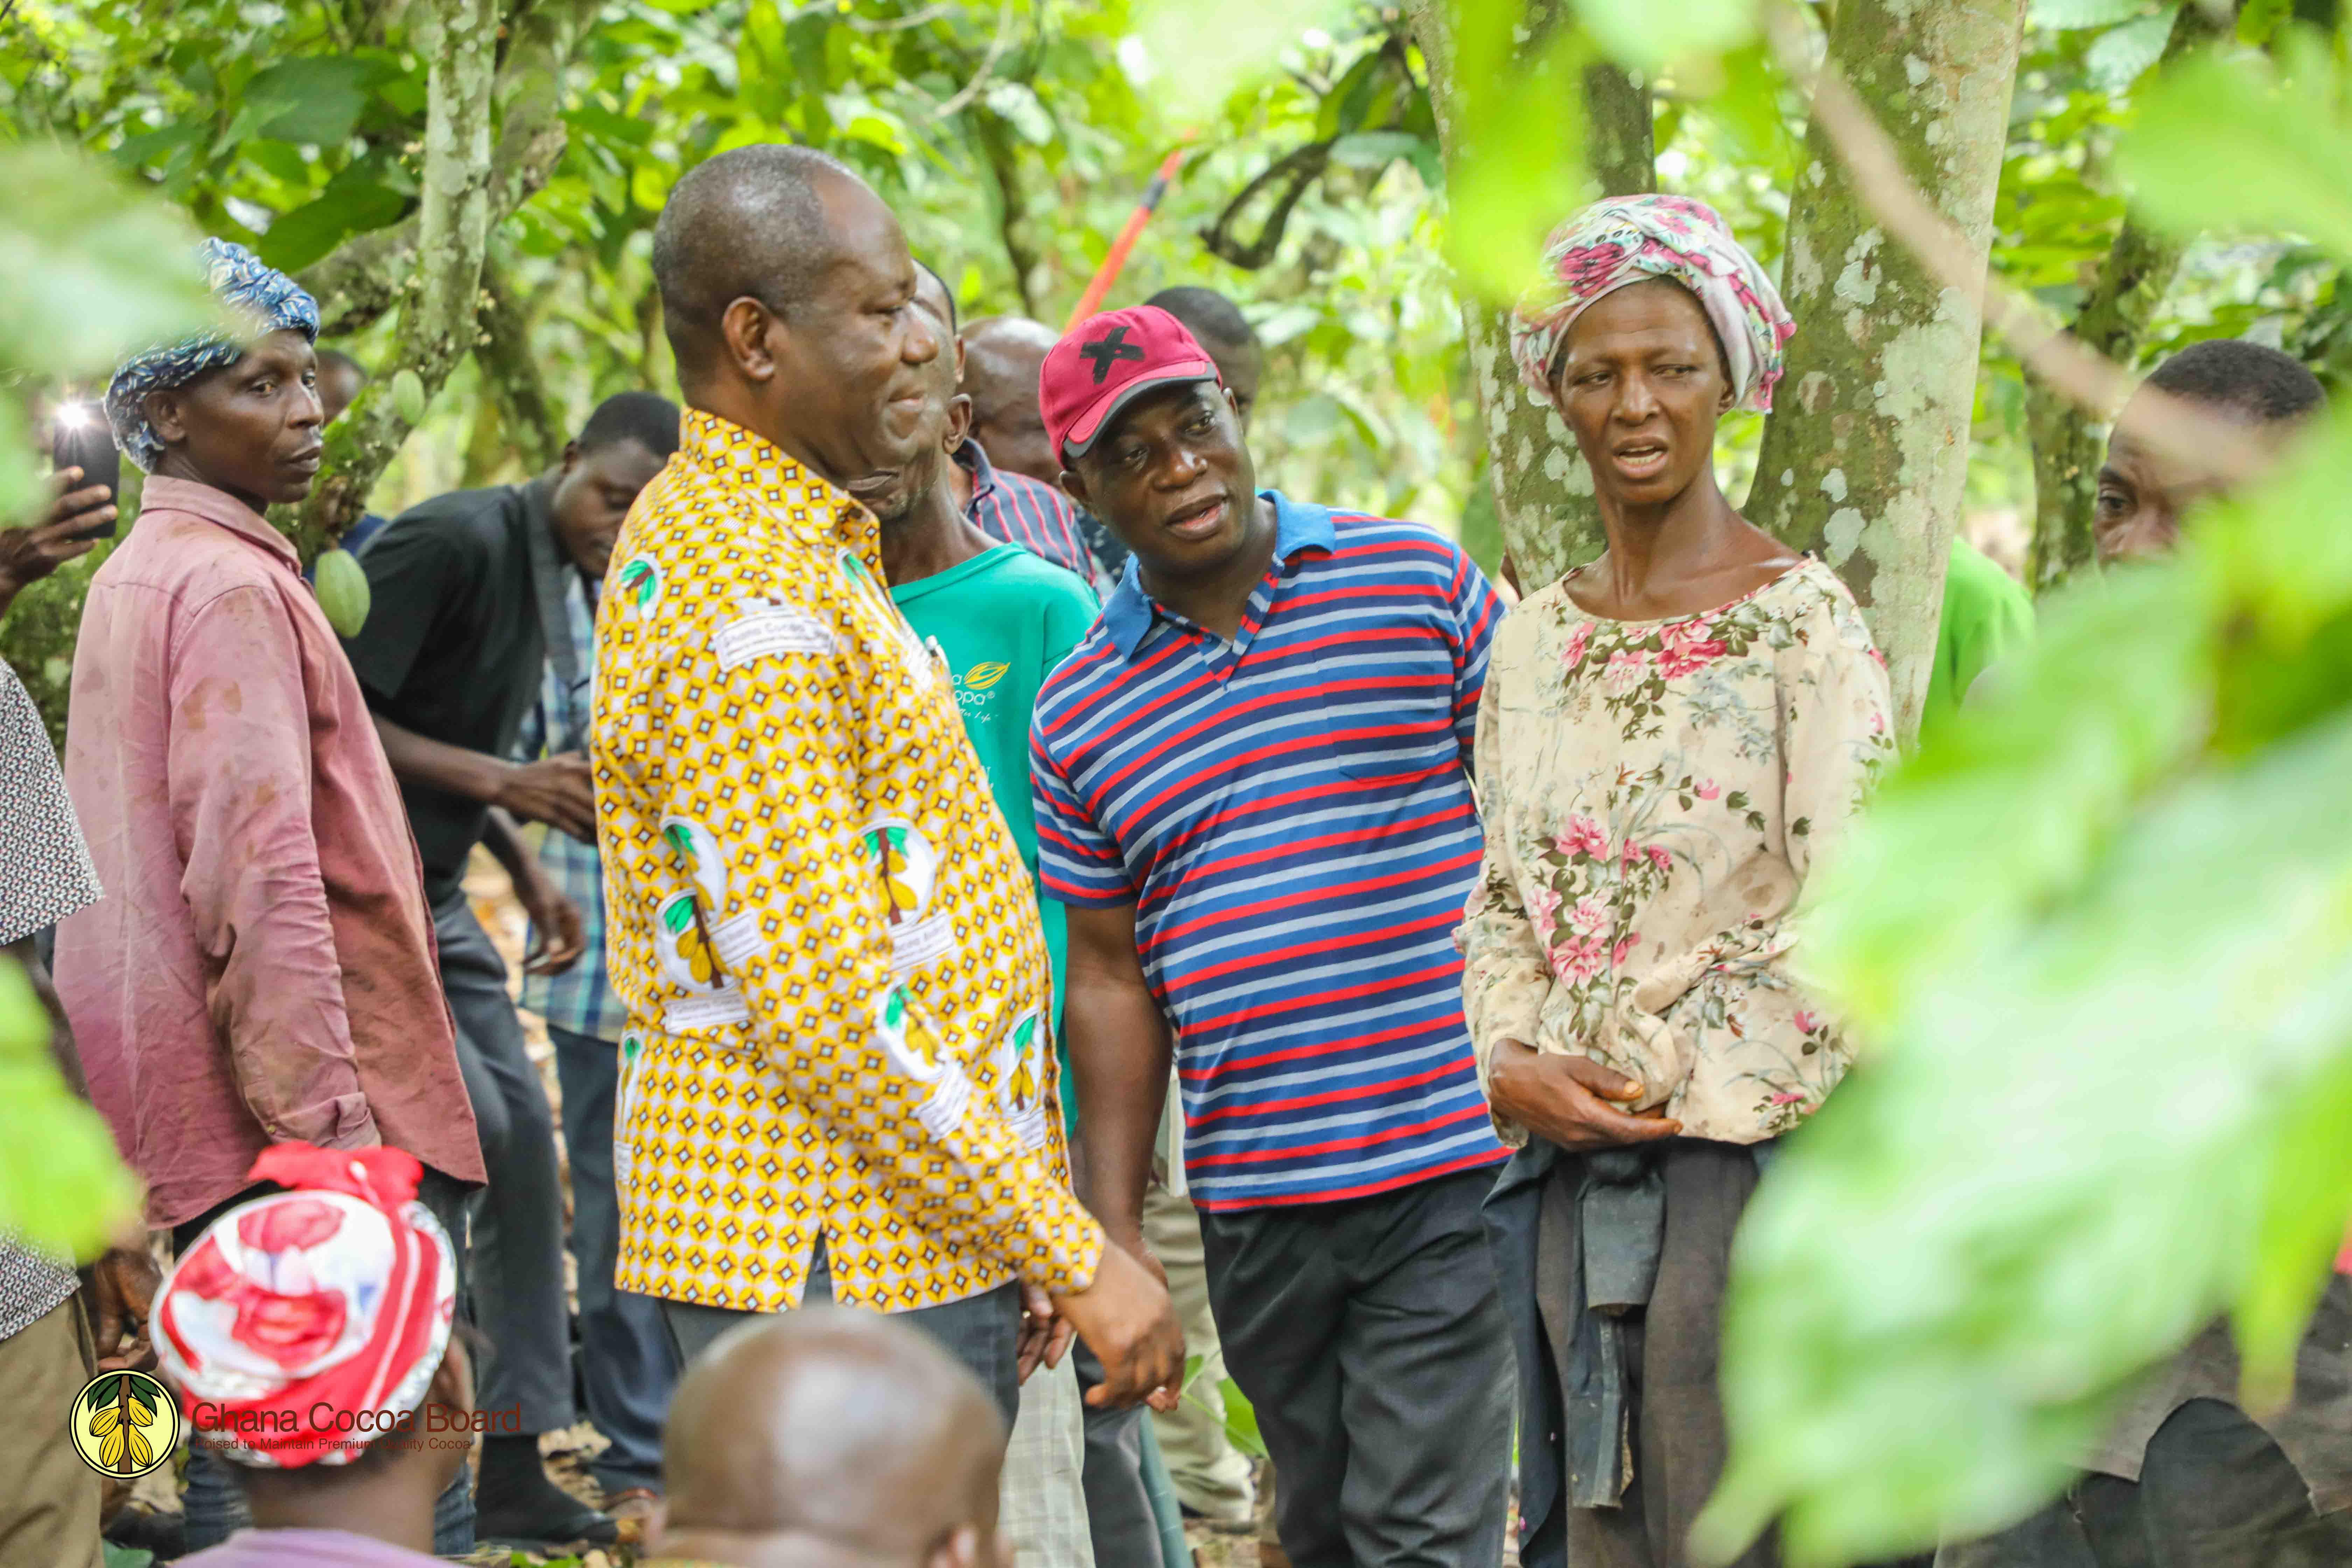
(1252, 793)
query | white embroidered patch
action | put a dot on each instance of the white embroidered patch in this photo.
(767, 630)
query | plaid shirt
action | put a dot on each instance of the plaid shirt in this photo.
(1035, 516)
(581, 999)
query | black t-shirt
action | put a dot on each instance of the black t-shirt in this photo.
(453, 648)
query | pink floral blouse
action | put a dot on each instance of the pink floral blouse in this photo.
(1654, 793)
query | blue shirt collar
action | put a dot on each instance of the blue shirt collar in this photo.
(1297, 525)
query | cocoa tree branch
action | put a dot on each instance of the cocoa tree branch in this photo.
(510, 371)
(1011, 207)
(363, 279)
(996, 47)
(2130, 284)
(460, 40)
(2087, 378)
(1293, 172)
(1542, 491)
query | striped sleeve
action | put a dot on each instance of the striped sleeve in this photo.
(1476, 611)
(1077, 863)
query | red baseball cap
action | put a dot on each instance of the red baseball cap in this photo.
(1106, 360)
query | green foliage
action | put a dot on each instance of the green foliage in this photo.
(2102, 934)
(62, 1189)
(92, 271)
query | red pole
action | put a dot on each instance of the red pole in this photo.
(1098, 287)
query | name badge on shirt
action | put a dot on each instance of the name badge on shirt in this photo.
(767, 630)
(925, 941)
(713, 1010)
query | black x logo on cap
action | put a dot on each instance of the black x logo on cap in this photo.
(1108, 350)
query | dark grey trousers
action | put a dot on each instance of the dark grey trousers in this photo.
(1369, 1337)
(1120, 1523)
(2214, 1491)
(517, 1266)
(982, 1332)
(628, 1367)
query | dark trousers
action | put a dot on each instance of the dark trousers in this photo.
(1120, 1519)
(215, 1502)
(2214, 1491)
(628, 1367)
(1369, 1340)
(517, 1268)
(982, 1332)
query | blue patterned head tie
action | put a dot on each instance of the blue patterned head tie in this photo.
(269, 300)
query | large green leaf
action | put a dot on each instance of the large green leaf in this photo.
(2240, 142)
(2100, 933)
(353, 202)
(62, 1189)
(318, 100)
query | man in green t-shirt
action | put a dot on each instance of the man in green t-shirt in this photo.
(1003, 618)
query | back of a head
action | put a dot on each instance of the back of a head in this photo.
(2251, 380)
(748, 222)
(1208, 315)
(647, 418)
(832, 1428)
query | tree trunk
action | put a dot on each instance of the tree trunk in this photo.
(527, 415)
(1865, 455)
(2130, 285)
(459, 38)
(365, 278)
(1543, 493)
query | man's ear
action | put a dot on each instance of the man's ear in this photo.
(959, 422)
(959, 353)
(1076, 488)
(1231, 402)
(167, 415)
(571, 458)
(744, 327)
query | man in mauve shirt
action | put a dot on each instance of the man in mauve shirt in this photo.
(261, 970)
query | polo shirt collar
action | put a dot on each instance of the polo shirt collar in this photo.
(1298, 526)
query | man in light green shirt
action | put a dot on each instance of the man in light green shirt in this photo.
(1987, 616)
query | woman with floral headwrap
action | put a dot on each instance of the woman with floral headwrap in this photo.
(1668, 737)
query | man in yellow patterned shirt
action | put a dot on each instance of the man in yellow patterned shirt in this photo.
(828, 948)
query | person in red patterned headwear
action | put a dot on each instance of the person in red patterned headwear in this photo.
(309, 1336)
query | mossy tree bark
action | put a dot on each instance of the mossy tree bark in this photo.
(458, 39)
(1865, 455)
(1543, 493)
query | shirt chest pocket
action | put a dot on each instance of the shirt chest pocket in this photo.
(1386, 699)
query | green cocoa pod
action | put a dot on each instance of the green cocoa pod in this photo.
(342, 590)
(408, 397)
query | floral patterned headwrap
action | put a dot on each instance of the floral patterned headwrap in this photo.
(266, 297)
(305, 1324)
(1631, 239)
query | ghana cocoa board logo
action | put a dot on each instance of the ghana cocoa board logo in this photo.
(124, 1423)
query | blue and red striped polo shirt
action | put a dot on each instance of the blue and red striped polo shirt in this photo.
(1032, 514)
(1290, 813)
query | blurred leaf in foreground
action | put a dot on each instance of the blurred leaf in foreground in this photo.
(62, 1189)
(94, 270)
(2101, 930)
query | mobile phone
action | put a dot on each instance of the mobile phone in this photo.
(82, 439)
